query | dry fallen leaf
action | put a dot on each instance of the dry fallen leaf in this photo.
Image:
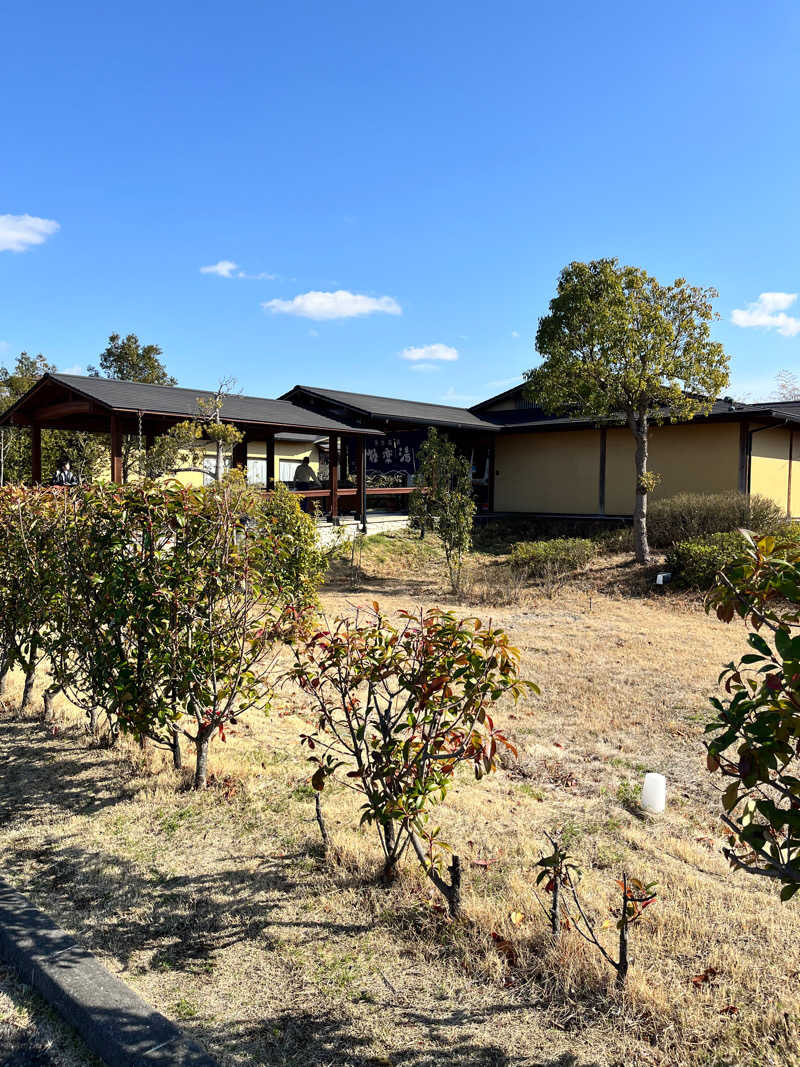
(708, 975)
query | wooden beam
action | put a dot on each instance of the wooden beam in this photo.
(116, 451)
(270, 461)
(36, 454)
(333, 487)
(60, 411)
(361, 481)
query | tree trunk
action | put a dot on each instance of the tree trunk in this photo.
(201, 766)
(326, 843)
(622, 966)
(177, 756)
(3, 678)
(390, 843)
(555, 909)
(49, 693)
(218, 469)
(93, 722)
(641, 545)
(450, 891)
(454, 894)
(30, 677)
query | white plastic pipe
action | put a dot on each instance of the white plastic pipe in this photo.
(654, 793)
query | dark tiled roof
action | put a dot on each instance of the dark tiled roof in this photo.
(177, 401)
(386, 407)
(724, 410)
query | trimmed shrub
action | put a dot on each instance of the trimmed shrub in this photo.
(686, 516)
(499, 536)
(550, 561)
(694, 563)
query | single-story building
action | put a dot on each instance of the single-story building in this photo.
(581, 466)
(524, 461)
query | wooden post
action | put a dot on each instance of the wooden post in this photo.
(116, 451)
(334, 478)
(789, 486)
(270, 461)
(601, 492)
(239, 457)
(361, 482)
(36, 453)
(744, 458)
(490, 493)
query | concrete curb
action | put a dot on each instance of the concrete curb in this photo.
(114, 1022)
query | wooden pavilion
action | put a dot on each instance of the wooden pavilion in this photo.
(119, 408)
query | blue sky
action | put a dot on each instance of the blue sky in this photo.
(398, 186)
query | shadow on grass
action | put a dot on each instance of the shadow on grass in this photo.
(315, 1038)
(189, 917)
(46, 771)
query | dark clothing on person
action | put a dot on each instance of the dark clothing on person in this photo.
(65, 477)
(304, 477)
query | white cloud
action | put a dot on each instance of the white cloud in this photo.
(338, 305)
(459, 399)
(77, 369)
(504, 383)
(260, 277)
(224, 268)
(769, 312)
(18, 232)
(424, 367)
(430, 353)
(515, 333)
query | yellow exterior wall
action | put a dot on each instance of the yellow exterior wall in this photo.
(559, 471)
(769, 466)
(554, 471)
(701, 458)
(284, 450)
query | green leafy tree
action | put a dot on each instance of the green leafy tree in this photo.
(87, 452)
(30, 569)
(442, 500)
(400, 708)
(618, 345)
(754, 738)
(172, 605)
(127, 359)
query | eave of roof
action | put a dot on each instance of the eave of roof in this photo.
(520, 420)
(394, 409)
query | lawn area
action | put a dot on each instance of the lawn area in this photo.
(219, 908)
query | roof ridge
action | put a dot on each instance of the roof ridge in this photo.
(159, 385)
(377, 396)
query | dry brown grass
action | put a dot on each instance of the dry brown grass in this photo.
(220, 910)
